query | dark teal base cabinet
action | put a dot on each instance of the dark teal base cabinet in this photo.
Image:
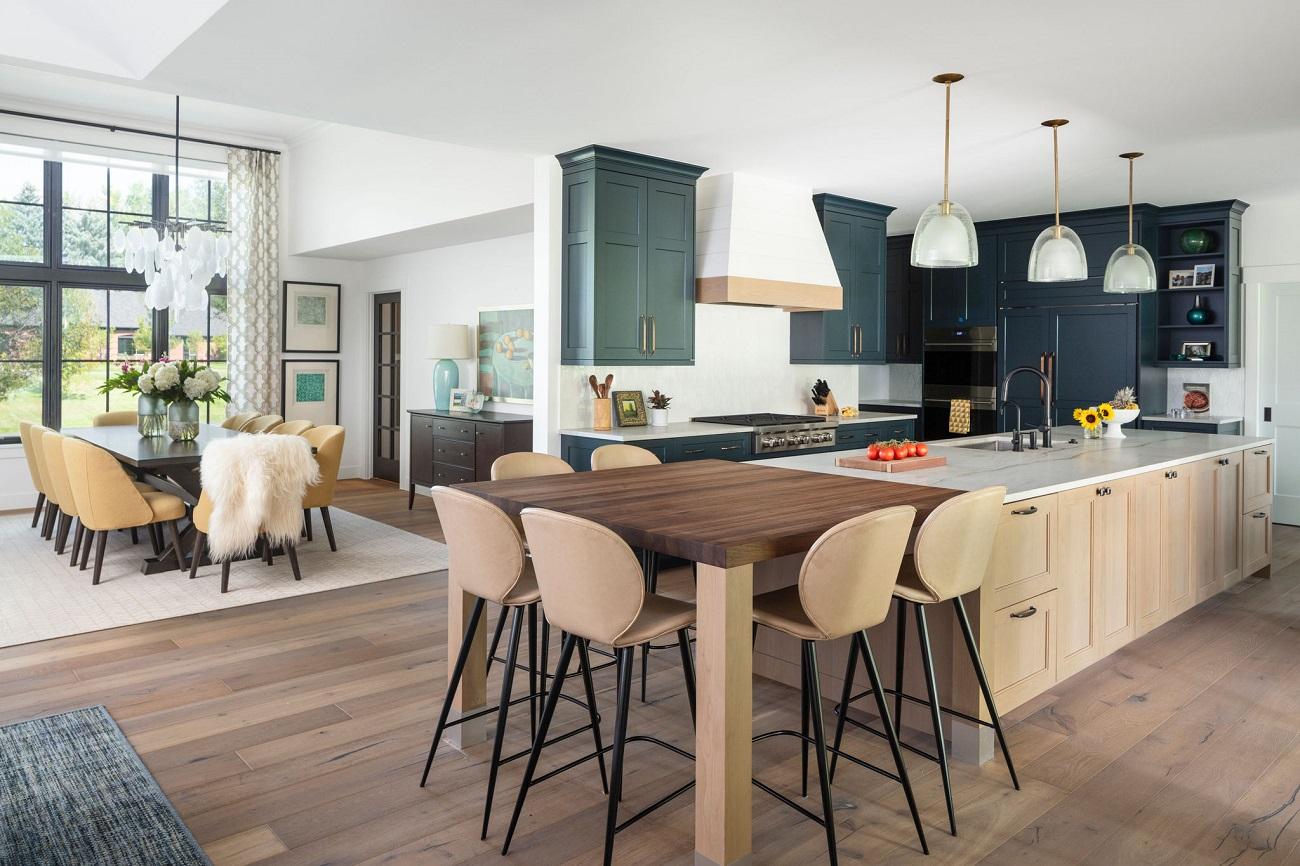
(856, 333)
(628, 260)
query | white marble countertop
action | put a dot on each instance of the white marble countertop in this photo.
(679, 429)
(1027, 474)
(1194, 419)
(889, 401)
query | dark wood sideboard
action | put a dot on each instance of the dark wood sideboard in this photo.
(456, 447)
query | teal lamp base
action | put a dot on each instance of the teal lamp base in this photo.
(446, 375)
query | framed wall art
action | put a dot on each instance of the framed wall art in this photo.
(505, 354)
(310, 319)
(629, 406)
(309, 390)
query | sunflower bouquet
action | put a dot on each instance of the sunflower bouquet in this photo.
(1091, 418)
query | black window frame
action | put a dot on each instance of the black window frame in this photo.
(53, 276)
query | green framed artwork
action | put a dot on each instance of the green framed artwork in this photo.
(310, 320)
(309, 390)
(505, 354)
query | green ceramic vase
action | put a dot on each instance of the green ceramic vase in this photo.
(1196, 241)
(1200, 314)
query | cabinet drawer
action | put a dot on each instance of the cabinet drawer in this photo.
(1024, 650)
(454, 428)
(718, 449)
(454, 452)
(1256, 539)
(1257, 478)
(444, 473)
(1024, 552)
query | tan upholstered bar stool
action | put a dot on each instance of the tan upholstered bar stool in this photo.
(592, 588)
(487, 560)
(950, 557)
(238, 420)
(844, 588)
(34, 467)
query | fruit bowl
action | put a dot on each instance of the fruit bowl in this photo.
(1122, 416)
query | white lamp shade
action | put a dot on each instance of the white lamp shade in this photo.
(1130, 270)
(449, 341)
(1057, 257)
(945, 240)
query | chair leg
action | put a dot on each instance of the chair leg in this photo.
(803, 728)
(267, 556)
(543, 725)
(76, 543)
(584, 664)
(900, 658)
(873, 675)
(410, 497)
(819, 744)
(47, 528)
(936, 715)
(197, 555)
(532, 668)
(40, 506)
(135, 535)
(496, 640)
(225, 575)
(291, 551)
(849, 671)
(99, 556)
(181, 564)
(973, 649)
(688, 668)
(85, 549)
(61, 533)
(503, 712)
(466, 646)
(306, 522)
(329, 526)
(620, 743)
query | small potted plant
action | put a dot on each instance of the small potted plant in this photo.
(659, 409)
(1122, 409)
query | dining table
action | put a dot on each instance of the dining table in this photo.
(168, 465)
(726, 517)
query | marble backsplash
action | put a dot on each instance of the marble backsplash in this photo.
(1227, 389)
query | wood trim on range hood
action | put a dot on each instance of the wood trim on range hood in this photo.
(759, 242)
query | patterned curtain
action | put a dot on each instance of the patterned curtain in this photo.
(253, 283)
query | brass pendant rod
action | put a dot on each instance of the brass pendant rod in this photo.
(1130, 205)
(947, 126)
(1056, 179)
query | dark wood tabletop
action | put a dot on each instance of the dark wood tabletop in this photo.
(150, 452)
(711, 511)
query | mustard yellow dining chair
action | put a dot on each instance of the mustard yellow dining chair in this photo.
(238, 420)
(327, 442)
(291, 428)
(107, 500)
(125, 418)
(57, 473)
(37, 434)
(261, 424)
(202, 518)
(34, 469)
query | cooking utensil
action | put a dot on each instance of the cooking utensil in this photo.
(609, 383)
(594, 387)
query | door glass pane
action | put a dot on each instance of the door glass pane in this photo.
(85, 238)
(85, 186)
(80, 398)
(22, 232)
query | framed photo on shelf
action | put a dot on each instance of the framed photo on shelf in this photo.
(1203, 276)
(1198, 351)
(309, 390)
(461, 399)
(629, 406)
(310, 319)
(1181, 279)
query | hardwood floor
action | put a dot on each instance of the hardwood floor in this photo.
(294, 732)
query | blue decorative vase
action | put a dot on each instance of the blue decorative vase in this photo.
(1200, 314)
(446, 375)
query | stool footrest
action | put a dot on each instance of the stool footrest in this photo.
(831, 750)
(922, 701)
(561, 738)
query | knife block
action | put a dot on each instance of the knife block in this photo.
(830, 408)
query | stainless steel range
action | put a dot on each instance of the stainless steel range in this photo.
(775, 432)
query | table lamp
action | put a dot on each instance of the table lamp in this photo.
(447, 343)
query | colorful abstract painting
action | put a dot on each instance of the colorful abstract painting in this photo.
(505, 354)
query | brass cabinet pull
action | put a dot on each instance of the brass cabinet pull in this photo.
(1033, 509)
(654, 335)
(1224, 461)
(1262, 451)
(1259, 514)
(852, 339)
(729, 448)
(1025, 614)
(640, 324)
(1172, 473)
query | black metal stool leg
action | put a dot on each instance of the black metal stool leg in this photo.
(803, 727)
(552, 698)
(584, 663)
(936, 715)
(466, 645)
(849, 671)
(900, 657)
(819, 744)
(650, 565)
(496, 639)
(869, 662)
(620, 743)
(984, 686)
(688, 668)
(503, 711)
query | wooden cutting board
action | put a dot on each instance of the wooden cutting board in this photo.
(907, 464)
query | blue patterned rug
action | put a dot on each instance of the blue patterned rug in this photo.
(72, 790)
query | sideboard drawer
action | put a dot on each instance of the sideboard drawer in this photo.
(454, 428)
(454, 452)
(447, 474)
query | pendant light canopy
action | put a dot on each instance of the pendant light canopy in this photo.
(945, 234)
(1130, 269)
(1057, 255)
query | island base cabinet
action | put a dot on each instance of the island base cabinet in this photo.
(1024, 650)
(1025, 554)
(1257, 478)
(1257, 539)
(1227, 522)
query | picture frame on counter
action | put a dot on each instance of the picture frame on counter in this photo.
(309, 390)
(462, 400)
(310, 320)
(1198, 351)
(1182, 279)
(629, 407)
(1203, 276)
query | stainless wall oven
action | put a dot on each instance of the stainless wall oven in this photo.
(960, 363)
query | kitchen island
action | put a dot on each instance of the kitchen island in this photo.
(1100, 541)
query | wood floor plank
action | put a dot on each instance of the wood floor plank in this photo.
(244, 849)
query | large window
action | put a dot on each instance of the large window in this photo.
(69, 314)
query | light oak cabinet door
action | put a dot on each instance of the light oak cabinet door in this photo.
(1149, 589)
(1201, 510)
(1257, 478)
(1175, 542)
(1077, 641)
(1025, 552)
(1112, 563)
(1024, 654)
(1227, 523)
(1256, 540)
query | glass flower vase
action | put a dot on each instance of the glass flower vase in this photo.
(183, 420)
(1094, 433)
(151, 415)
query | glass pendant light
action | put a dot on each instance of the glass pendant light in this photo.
(1130, 269)
(945, 234)
(1057, 256)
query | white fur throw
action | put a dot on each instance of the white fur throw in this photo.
(256, 484)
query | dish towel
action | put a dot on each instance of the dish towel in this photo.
(959, 417)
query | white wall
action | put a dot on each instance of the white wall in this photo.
(1270, 228)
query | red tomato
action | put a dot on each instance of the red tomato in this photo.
(873, 451)
(886, 453)
(922, 449)
(911, 449)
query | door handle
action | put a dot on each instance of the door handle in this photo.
(729, 448)
(1024, 512)
(1042, 368)
(640, 324)
(852, 340)
(1224, 461)
(1261, 451)
(1259, 514)
(692, 450)
(1025, 614)
(654, 336)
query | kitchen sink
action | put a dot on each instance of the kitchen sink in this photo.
(1005, 445)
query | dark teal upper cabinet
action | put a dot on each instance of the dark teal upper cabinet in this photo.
(628, 261)
(904, 291)
(855, 333)
(955, 297)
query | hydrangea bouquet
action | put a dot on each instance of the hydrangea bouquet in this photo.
(174, 381)
(169, 392)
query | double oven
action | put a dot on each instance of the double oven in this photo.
(960, 364)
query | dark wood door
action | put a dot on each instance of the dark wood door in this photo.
(387, 413)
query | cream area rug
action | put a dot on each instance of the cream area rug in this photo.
(41, 597)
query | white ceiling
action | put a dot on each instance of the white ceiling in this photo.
(830, 94)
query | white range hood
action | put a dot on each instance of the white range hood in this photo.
(758, 242)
